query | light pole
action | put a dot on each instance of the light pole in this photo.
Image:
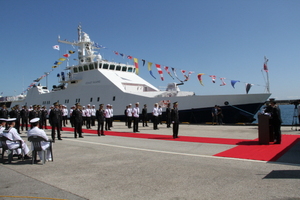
(47, 73)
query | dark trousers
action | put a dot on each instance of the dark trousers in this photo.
(107, 124)
(65, 120)
(135, 124)
(17, 126)
(77, 129)
(72, 121)
(277, 132)
(129, 121)
(88, 122)
(144, 119)
(45, 123)
(168, 121)
(215, 119)
(175, 130)
(57, 126)
(93, 119)
(100, 128)
(155, 122)
(24, 124)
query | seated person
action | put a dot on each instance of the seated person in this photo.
(35, 131)
(11, 133)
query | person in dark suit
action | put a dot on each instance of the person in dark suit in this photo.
(33, 114)
(100, 118)
(276, 122)
(15, 113)
(144, 115)
(168, 114)
(175, 119)
(78, 121)
(44, 117)
(24, 118)
(55, 117)
(4, 112)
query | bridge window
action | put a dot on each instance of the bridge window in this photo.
(85, 67)
(105, 66)
(75, 69)
(91, 66)
(112, 67)
(80, 68)
(100, 65)
(124, 69)
(129, 69)
(118, 68)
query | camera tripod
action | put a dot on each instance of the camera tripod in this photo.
(295, 119)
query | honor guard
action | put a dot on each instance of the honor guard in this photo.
(168, 114)
(155, 114)
(100, 115)
(24, 113)
(78, 120)
(136, 117)
(93, 118)
(55, 118)
(107, 117)
(15, 113)
(88, 114)
(129, 115)
(175, 119)
(4, 112)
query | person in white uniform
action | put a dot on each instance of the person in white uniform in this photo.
(35, 131)
(11, 133)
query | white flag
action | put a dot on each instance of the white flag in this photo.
(56, 47)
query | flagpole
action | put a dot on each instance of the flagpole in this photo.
(267, 72)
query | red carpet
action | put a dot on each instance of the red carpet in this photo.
(246, 149)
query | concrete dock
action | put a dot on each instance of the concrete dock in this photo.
(116, 167)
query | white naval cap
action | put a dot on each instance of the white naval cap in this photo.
(3, 119)
(35, 120)
(11, 119)
(137, 103)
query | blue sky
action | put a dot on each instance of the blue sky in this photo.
(223, 38)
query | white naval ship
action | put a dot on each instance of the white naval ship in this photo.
(95, 80)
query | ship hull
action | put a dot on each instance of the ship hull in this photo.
(192, 109)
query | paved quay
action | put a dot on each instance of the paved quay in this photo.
(155, 167)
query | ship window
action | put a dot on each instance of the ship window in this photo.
(77, 100)
(91, 66)
(95, 65)
(91, 99)
(129, 69)
(105, 66)
(114, 98)
(85, 67)
(133, 69)
(80, 68)
(112, 67)
(75, 69)
(66, 100)
(100, 65)
(118, 68)
(124, 69)
(98, 99)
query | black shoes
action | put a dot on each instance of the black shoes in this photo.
(27, 157)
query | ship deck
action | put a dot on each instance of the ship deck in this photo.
(205, 162)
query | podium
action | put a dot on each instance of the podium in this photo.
(265, 130)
